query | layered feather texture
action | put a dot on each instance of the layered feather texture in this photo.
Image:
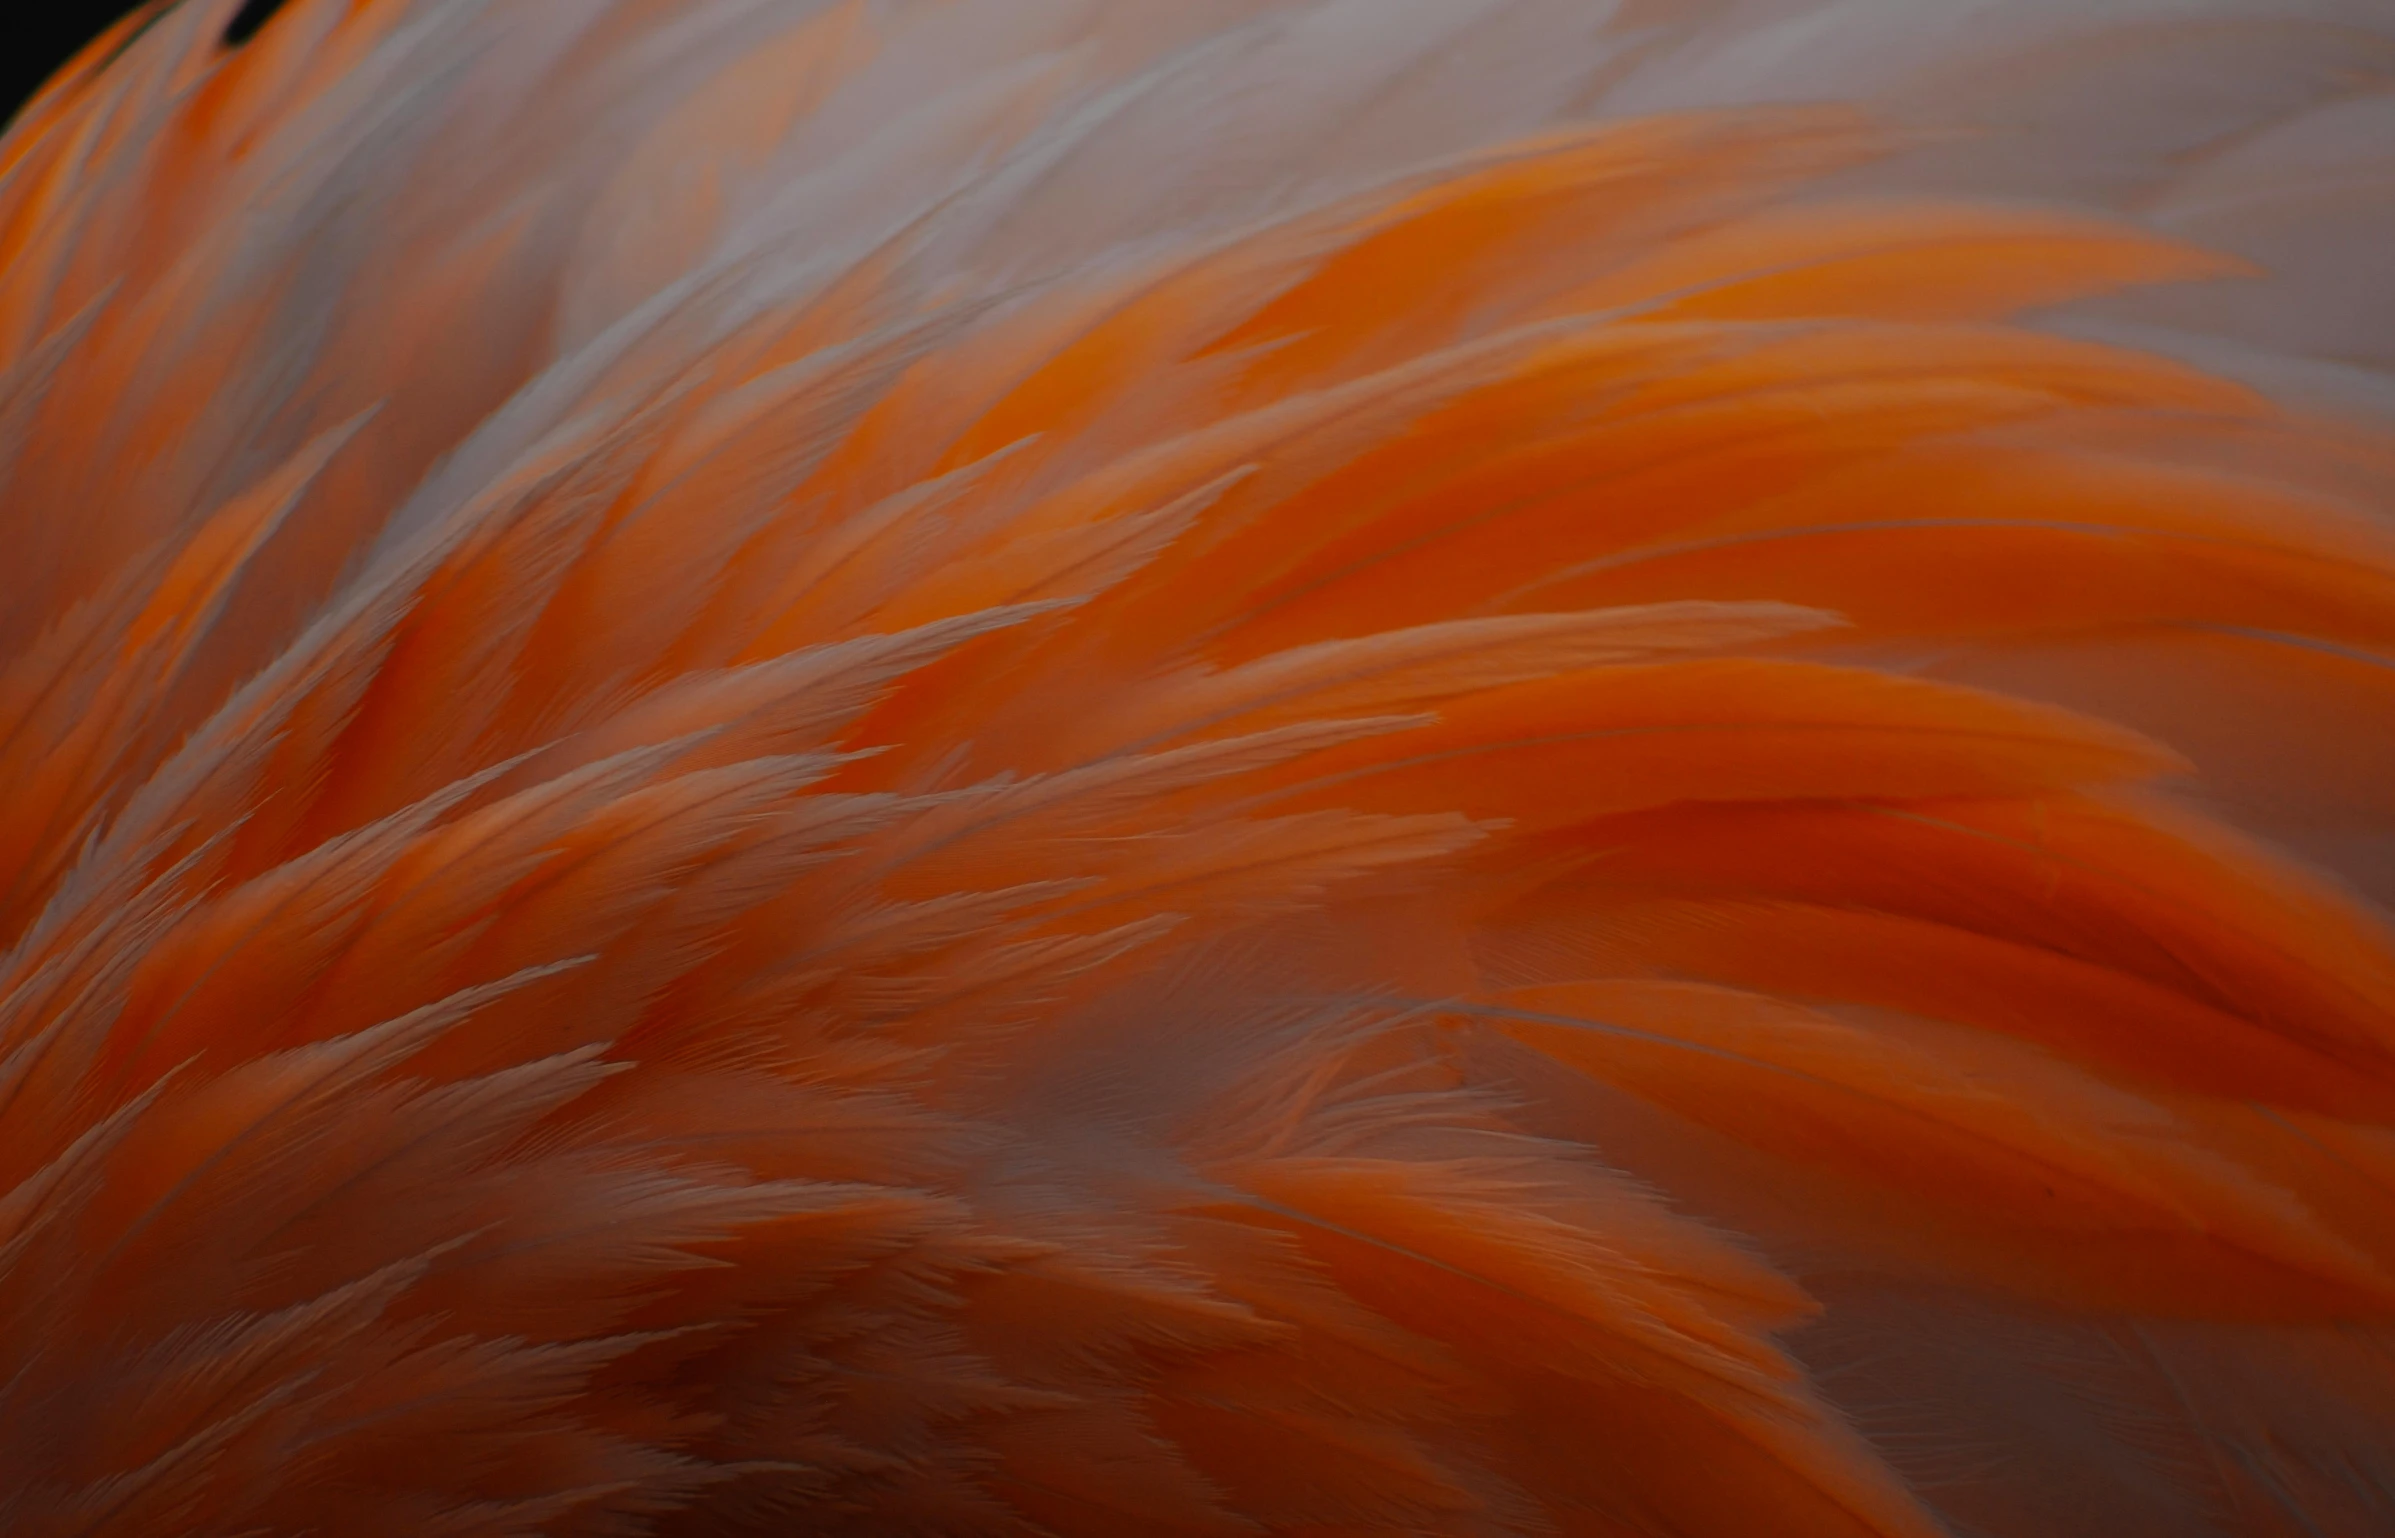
(1199, 768)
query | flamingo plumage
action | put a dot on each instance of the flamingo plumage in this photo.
(1200, 767)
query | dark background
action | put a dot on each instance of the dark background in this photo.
(37, 36)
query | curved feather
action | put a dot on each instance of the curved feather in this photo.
(1300, 767)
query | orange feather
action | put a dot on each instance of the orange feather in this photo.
(1297, 768)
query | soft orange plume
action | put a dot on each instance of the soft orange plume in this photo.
(987, 768)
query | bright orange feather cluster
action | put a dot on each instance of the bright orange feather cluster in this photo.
(1195, 767)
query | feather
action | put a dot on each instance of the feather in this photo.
(1852, 1105)
(1304, 768)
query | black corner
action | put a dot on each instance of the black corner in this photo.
(246, 21)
